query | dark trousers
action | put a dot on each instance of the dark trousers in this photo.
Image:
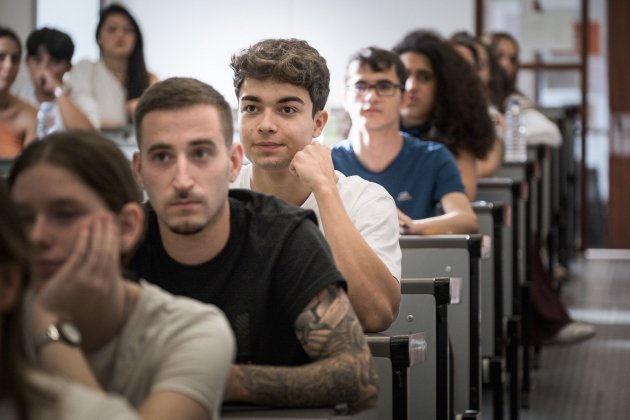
(549, 312)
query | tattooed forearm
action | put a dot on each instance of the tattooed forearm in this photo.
(342, 373)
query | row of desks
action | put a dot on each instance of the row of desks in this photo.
(488, 328)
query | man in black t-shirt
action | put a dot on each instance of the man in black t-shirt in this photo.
(260, 260)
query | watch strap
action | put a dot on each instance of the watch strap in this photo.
(53, 333)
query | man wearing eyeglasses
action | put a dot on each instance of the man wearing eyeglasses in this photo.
(418, 174)
(282, 86)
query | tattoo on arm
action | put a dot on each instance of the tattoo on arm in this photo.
(341, 371)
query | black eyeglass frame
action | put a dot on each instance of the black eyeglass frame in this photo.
(378, 87)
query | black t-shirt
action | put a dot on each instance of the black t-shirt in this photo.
(275, 261)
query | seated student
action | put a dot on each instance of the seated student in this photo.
(168, 356)
(48, 58)
(538, 128)
(117, 80)
(444, 101)
(262, 261)
(486, 68)
(281, 110)
(418, 174)
(17, 117)
(26, 391)
(552, 323)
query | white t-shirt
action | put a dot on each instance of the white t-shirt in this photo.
(369, 206)
(65, 400)
(107, 95)
(538, 128)
(80, 98)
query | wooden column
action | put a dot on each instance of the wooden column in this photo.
(619, 94)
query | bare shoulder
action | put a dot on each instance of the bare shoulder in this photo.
(24, 110)
(20, 117)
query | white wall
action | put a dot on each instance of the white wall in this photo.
(80, 24)
(19, 16)
(197, 37)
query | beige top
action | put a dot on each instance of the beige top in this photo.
(107, 95)
(66, 400)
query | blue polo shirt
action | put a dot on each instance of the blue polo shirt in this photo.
(418, 178)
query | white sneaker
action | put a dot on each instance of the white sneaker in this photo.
(573, 332)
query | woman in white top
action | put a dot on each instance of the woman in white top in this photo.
(117, 80)
(538, 128)
(168, 356)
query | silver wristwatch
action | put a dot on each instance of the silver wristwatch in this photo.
(61, 90)
(64, 331)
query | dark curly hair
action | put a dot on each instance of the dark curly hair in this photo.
(459, 118)
(291, 61)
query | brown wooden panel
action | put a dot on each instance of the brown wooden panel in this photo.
(619, 55)
(619, 92)
(619, 202)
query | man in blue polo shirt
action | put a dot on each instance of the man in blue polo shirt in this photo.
(418, 174)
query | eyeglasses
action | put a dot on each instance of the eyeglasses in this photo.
(383, 88)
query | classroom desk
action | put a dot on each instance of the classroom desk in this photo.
(254, 412)
(424, 307)
(493, 317)
(526, 173)
(455, 256)
(394, 355)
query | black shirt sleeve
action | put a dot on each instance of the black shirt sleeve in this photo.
(305, 267)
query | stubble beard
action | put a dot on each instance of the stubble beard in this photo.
(191, 227)
(187, 228)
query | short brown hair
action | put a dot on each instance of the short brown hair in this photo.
(183, 92)
(379, 60)
(291, 61)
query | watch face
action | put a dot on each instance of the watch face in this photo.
(70, 333)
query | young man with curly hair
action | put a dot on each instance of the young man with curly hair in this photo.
(282, 86)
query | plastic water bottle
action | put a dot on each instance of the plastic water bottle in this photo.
(515, 141)
(45, 119)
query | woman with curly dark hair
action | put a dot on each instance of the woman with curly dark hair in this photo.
(487, 69)
(445, 102)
